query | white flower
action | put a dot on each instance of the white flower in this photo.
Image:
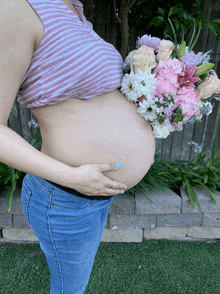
(206, 57)
(200, 102)
(147, 109)
(207, 108)
(161, 109)
(199, 117)
(135, 85)
(127, 87)
(144, 83)
(161, 131)
(127, 61)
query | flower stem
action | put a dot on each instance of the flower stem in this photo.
(194, 43)
(194, 31)
(174, 33)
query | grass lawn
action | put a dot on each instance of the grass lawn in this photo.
(150, 267)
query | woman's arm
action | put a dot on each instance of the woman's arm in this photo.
(17, 42)
(19, 154)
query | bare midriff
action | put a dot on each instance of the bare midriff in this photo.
(103, 129)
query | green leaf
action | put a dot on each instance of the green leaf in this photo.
(184, 185)
(199, 167)
(9, 196)
(182, 33)
(176, 23)
(212, 151)
(186, 16)
(199, 157)
(35, 139)
(173, 10)
(192, 196)
(209, 163)
(199, 65)
(190, 192)
(213, 27)
(163, 173)
(216, 20)
(206, 178)
(202, 77)
(182, 49)
(214, 169)
(217, 163)
(195, 175)
(157, 21)
(172, 41)
(193, 34)
(197, 36)
(7, 179)
(197, 5)
(161, 11)
(207, 188)
(217, 151)
(174, 33)
(202, 18)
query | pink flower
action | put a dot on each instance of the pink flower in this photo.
(168, 73)
(188, 79)
(197, 147)
(188, 98)
(32, 122)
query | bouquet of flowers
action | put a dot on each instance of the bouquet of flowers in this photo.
(169, 83)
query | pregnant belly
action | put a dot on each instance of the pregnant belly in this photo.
(103, 129)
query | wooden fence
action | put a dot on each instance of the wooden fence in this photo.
(110, 20)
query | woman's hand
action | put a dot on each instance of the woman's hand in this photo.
(88, 179)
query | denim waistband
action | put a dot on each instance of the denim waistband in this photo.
(74, 192)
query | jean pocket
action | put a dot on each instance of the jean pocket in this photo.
(69, 201)
(25, 198)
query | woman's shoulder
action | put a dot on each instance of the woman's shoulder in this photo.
(21, 12)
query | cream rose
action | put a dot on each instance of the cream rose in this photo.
(165, 50)
(209, 86)
(129, 57)
(143, 59)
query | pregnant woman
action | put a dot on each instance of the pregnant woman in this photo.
(52, 60)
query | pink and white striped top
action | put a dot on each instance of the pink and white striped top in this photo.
(71, 61)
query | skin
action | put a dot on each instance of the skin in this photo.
(72, 133)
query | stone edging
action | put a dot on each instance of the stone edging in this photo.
(170, 217)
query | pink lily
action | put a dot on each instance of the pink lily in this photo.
(187, 79)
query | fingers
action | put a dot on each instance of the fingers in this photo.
(116, 185)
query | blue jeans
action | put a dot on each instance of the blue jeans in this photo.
(69, 229)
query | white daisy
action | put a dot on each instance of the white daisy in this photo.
(147, 109)
(145, 83)
(127, 87)
(134, 85)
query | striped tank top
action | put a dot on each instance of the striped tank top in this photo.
(71, 60)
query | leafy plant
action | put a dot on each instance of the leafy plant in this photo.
(181, 21)
(13, 177)
(174, 174)
(8, 174)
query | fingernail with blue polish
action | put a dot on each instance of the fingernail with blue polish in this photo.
(117, 165)
(125, 187)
